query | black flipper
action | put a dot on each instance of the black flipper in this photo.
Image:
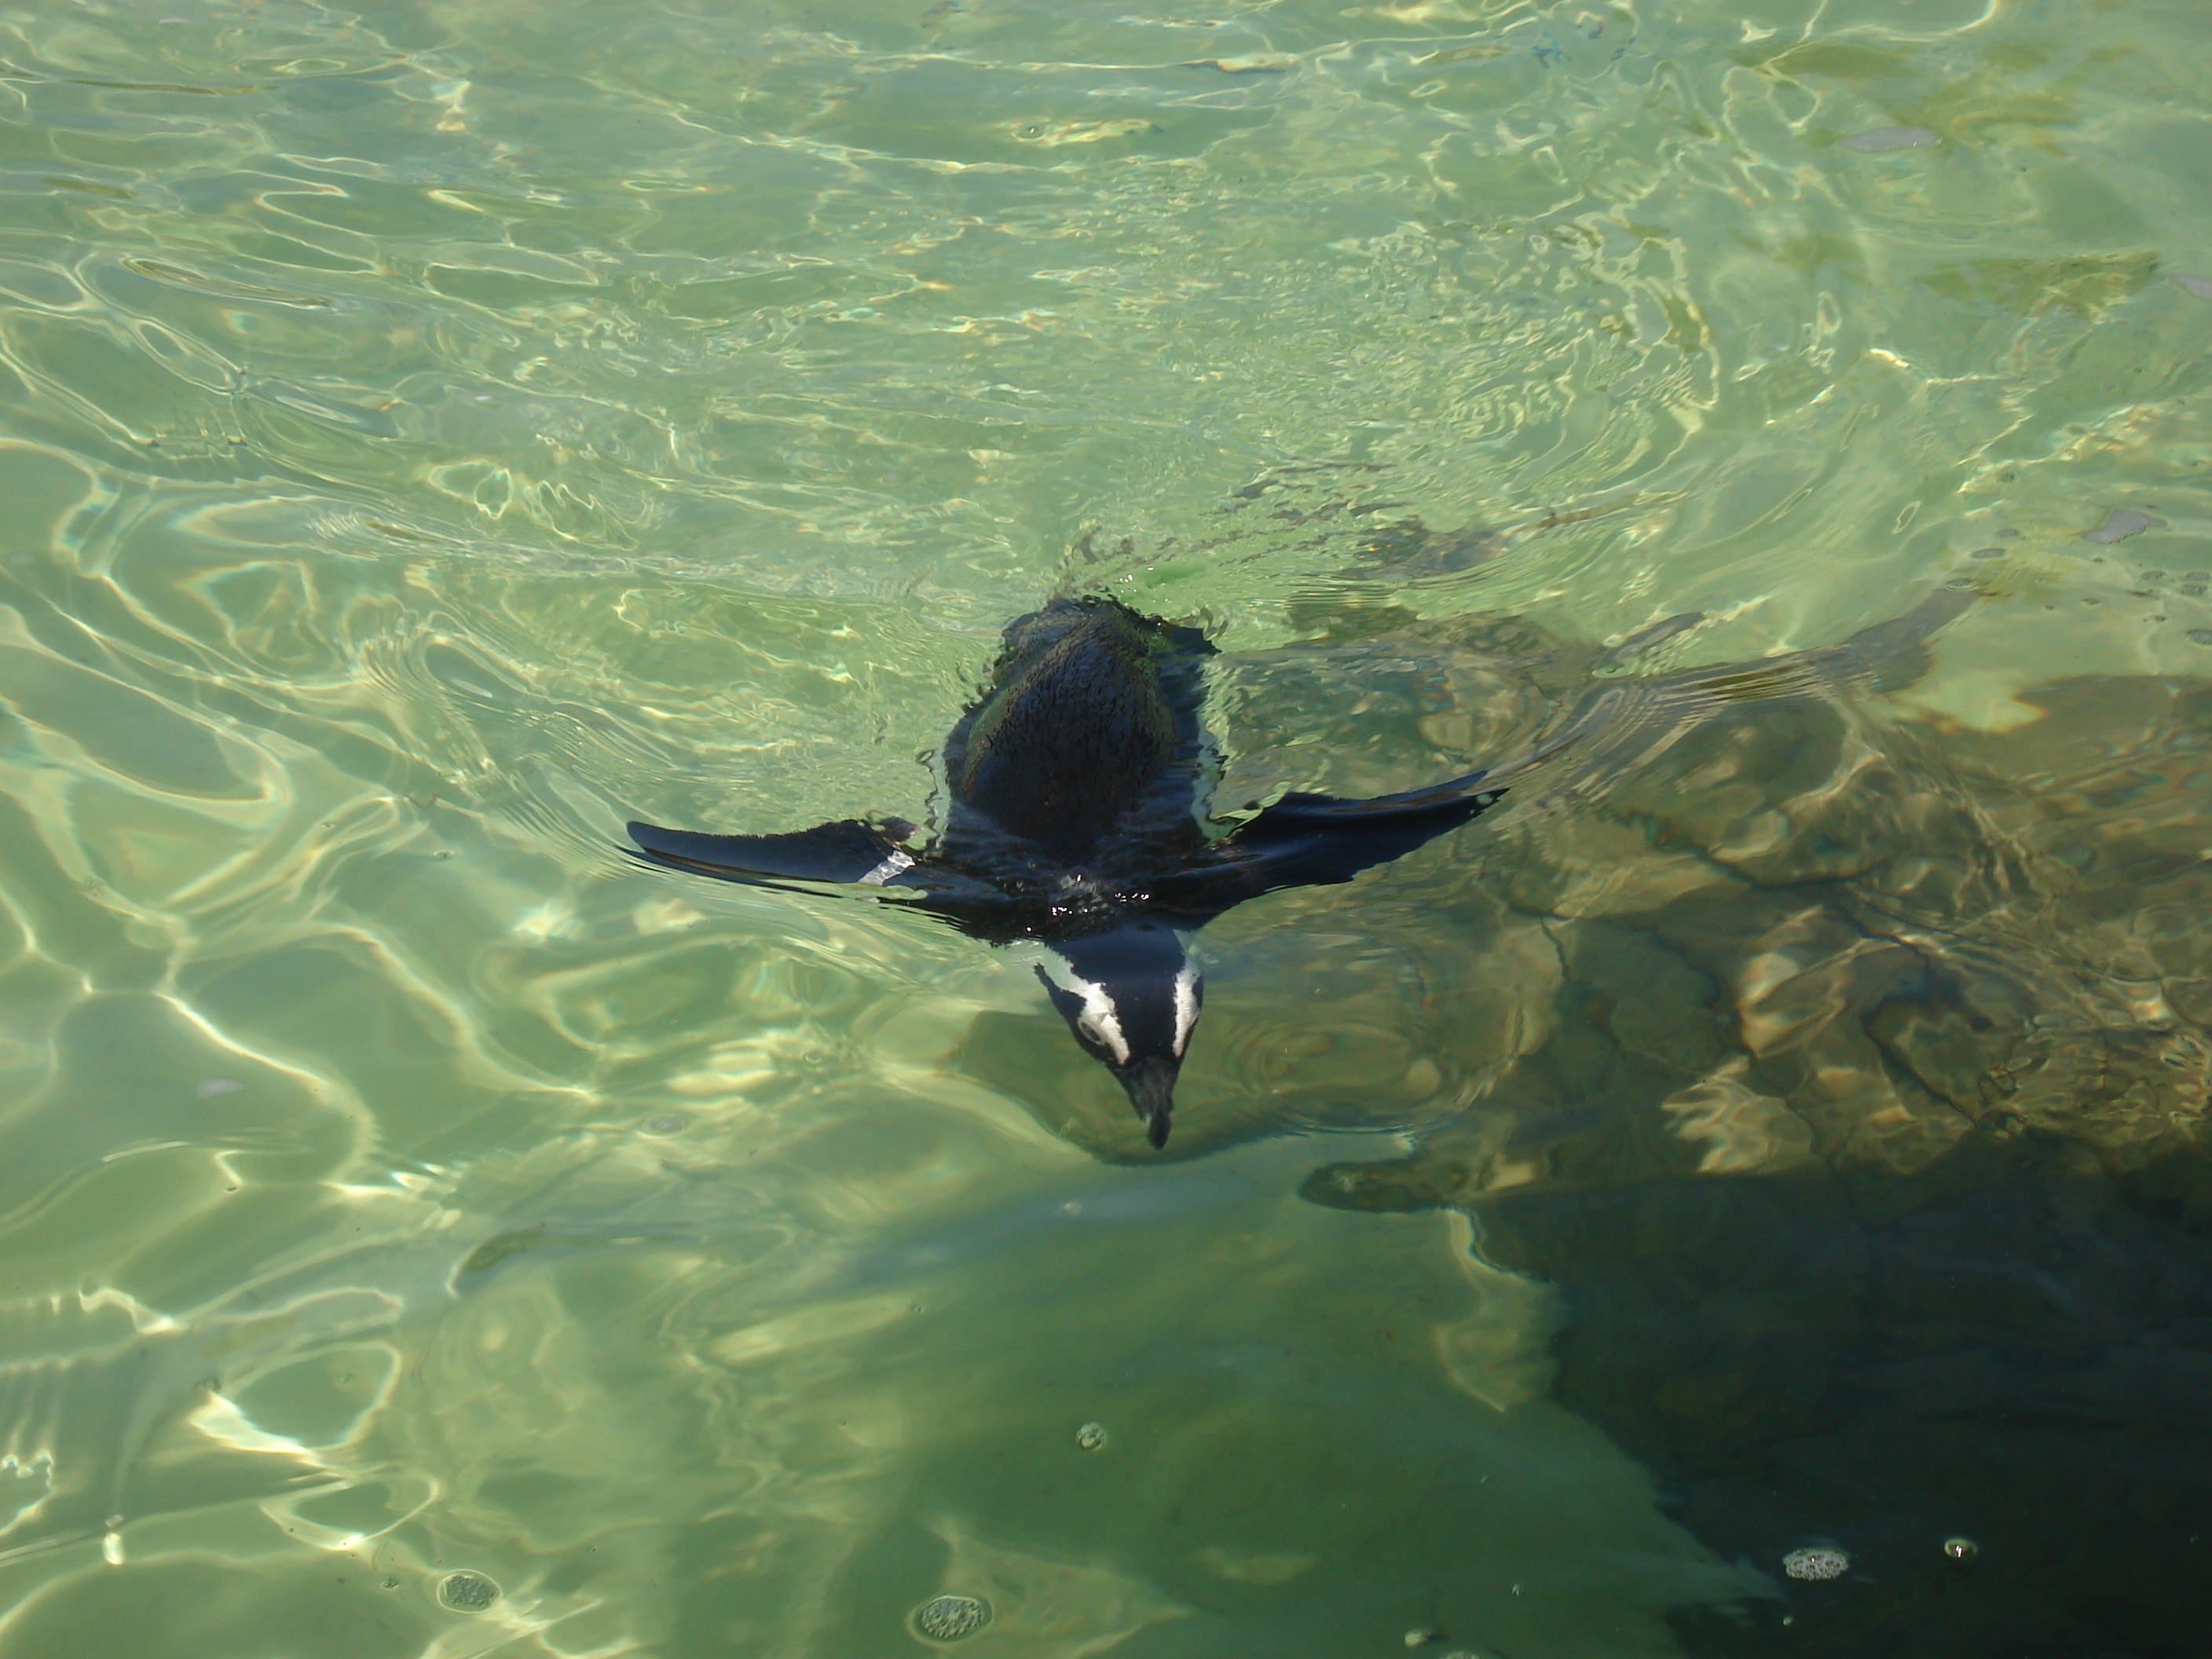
(845, 852)
(1309, 840)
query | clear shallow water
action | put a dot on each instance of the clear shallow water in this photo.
(432, 435)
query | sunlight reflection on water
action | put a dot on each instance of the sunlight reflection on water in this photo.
(435, 434)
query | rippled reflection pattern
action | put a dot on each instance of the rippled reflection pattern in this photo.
(430, 434)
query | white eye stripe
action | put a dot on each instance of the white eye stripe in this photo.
(1104, 1024)
(1186, 1006)
(1099, 1021)
(1057, 969)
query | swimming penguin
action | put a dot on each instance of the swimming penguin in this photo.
(1076, 821)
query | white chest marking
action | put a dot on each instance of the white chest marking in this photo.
(890, 867)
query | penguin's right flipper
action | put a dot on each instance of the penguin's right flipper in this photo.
(1312, 841)
(846, 853)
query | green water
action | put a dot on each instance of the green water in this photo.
(430, 434)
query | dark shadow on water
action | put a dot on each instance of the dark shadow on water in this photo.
(2013, 1345)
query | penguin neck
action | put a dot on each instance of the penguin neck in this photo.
(1075, 856)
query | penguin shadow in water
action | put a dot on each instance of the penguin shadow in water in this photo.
(1077, 826)
(1983, 1382)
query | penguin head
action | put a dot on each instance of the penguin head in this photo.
(1131, 996)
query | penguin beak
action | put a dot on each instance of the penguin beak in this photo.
(1130, 995)
(1151, 1080)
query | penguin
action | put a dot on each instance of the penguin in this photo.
(1077, 820)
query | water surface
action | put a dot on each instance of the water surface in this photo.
(430, 434)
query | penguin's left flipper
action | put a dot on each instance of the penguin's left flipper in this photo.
(1311, 840)
(846, 853)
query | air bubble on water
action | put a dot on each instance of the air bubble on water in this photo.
(1090, 1437)
(1962, 1549)
(1823, 1561)
(948, 1618)
(667, 1124)
(466, 1592)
